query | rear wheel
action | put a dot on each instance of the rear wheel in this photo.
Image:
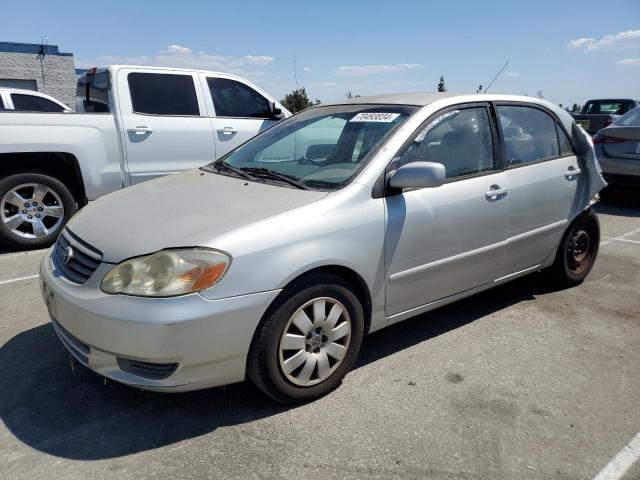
(307, 340)
(33, 210)
(577, 251)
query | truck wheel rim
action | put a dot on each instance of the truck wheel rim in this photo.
(315, 341)
(31, 210)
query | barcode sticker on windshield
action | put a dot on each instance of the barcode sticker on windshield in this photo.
(375, 117)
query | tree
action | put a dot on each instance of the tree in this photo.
(539, 94)
(479, 89)
(575, 108)
(441, 87)
(297, 100)
(350, 95)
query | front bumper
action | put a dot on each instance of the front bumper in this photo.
(206, 341)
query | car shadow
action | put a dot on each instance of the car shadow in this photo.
(621, 202)
(71, 412)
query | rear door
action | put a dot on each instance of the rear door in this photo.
(542, 174)
(238, 111)
(165, 128)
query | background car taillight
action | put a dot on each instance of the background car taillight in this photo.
(606, 139)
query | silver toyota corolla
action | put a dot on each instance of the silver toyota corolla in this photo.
(273, 262)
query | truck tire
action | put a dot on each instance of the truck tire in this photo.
(33, 210)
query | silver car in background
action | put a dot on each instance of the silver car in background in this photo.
(273, 262)
(618, 149)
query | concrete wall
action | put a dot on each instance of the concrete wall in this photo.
(54, 74)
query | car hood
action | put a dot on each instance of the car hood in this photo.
(181, 210)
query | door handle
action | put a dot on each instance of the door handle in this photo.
(572, 173)
(140, 130)
(496, 192)
(227, 130)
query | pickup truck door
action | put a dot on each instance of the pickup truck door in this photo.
(164, 123)
(238, 111)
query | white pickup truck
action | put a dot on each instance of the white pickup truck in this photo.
(133, 124)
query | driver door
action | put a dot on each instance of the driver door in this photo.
(445, 240)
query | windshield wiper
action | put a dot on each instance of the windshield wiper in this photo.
(265, 172)
(221, 165)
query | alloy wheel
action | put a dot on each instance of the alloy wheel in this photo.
(31, 210)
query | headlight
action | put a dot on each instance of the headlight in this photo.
(167, 273)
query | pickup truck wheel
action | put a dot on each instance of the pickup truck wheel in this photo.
(33, 209)
(307, 340)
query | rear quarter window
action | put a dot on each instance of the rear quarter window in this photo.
(163, 94)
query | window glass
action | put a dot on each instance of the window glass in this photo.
(459, 139)
(92, 93)
(630, 119)
(322, 147)
(235, 99)
(1, 103)
(565, 143)
(163, 94)
(610, 107)
(529, 134)
(32, 103)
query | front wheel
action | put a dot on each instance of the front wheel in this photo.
(578, 250)
(33, 210)
(307, 340)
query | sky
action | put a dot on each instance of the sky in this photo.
(568, 50)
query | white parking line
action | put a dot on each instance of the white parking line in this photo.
(616, 468)
(19, 254)
(621, 237)
(19, 279)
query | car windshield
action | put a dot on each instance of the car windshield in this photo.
(609, 107)
(630, 119)
(322, 147)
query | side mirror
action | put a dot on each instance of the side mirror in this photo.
(418, 175)
(276, 113)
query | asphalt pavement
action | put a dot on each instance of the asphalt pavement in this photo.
(523, 381)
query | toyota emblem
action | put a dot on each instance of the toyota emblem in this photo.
(67, 255)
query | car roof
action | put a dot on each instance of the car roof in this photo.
(22, 90)
(419, 99)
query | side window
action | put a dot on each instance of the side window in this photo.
(459, 139)
(529, 134)
(235, 99)
(1, 102)
(163, 94)
(32, 103)
(565, 143)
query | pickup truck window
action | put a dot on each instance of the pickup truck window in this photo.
(33, 103)
(163, 94)
(607, 107)
(529, 134)
(93, 92)
(235, 99)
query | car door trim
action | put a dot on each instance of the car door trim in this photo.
(516, 238)
(427, 266)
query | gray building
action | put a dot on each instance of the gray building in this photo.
(38, 67)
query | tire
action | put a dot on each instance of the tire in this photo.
(33, 210)
(577, 251)
(317, 295)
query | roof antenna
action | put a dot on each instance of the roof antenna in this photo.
(496, 77)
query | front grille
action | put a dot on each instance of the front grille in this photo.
(153, 371)
(82, 262)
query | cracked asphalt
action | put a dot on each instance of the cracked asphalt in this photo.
(522, 381)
